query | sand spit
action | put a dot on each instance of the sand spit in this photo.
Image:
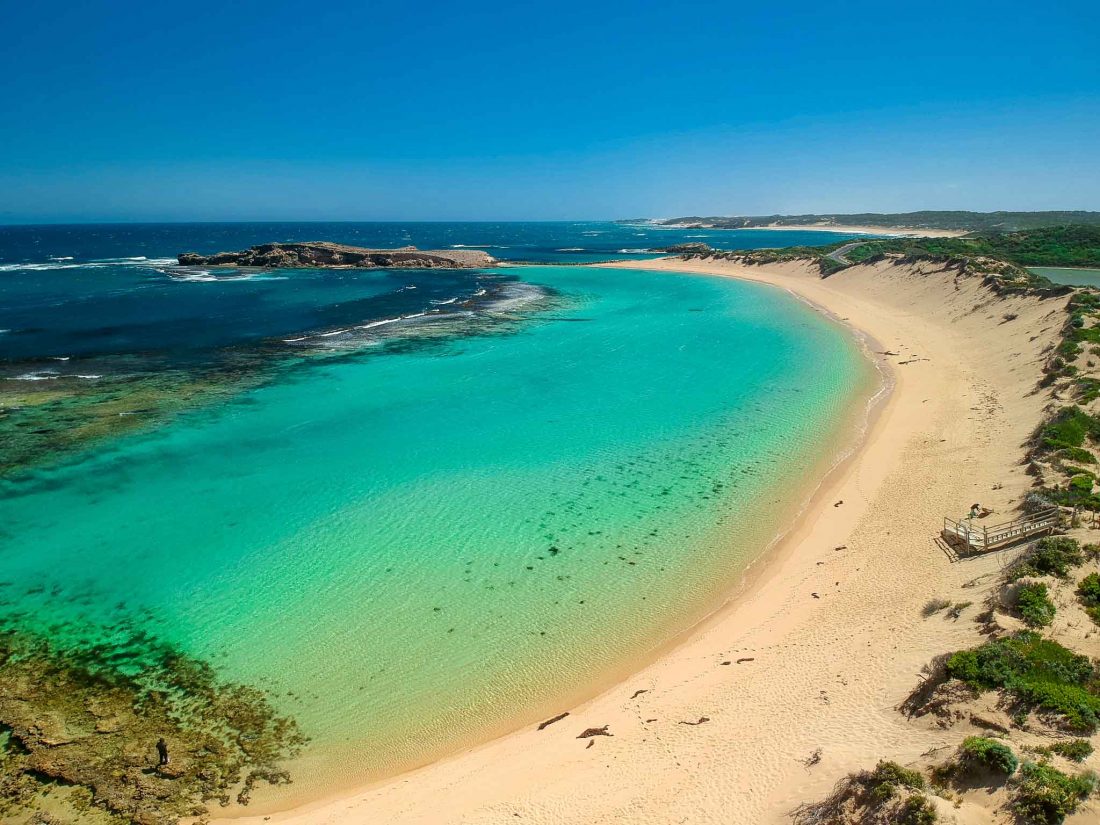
(847, 229)
(818, 649)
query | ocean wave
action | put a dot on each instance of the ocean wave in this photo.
(67, 262)
(571, 249)
(45, 267)
(61, 258)
(51, 375)
(443, 303)
(633, 251)
(478, 246)
(206, 276)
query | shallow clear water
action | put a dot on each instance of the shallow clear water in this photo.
(417, 550)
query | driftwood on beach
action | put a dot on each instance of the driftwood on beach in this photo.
(334, 255)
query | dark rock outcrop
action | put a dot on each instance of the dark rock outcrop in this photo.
(688, 248)
(325, 254)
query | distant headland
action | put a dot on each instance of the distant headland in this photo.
(323, 254)
(926, 223)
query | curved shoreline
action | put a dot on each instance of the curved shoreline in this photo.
(769, 610)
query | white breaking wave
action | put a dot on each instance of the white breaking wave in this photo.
(51, 375)
(634, 251)
(67, 262)
(570, 249)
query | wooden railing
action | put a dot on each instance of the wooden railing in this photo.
(981, 538)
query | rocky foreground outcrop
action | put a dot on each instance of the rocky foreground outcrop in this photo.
(325, 254)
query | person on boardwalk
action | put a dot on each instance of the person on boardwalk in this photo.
(162, 751)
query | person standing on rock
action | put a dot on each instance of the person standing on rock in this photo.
(162, 752)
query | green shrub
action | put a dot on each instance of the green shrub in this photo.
(988, 753)
(1088, 389)
(1077, 454)
(1034, 605)
(1046, 795)
(1089, 589)
(1052, 556)
(1038, 672)
(1069, 428)
(917, 810)
(1075, 750)
(1088, 592)
(883, 783)
(1082, 483)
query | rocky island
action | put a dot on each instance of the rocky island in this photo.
(326, 254)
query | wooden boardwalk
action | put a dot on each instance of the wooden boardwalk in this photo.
(974, 538)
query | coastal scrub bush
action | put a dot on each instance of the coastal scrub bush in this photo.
(1082, 483)
(1088, 592)
(1052, 556)
(917, 810)
(888, 777)
(1088, 389)
(1038, 672)
(1069, 428)
(1075, 750)
(889, 793)
(988, 753)
(1077, 454)
(1034, 605)
(1047, 796)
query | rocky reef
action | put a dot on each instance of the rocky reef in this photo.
(688, 249)
(81, 726)
(325, 254)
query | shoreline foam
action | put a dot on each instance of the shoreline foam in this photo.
(810, 676)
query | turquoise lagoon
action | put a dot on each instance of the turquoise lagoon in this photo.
(418, 550)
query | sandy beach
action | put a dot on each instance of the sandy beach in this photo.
(848, 229)
(825, 638)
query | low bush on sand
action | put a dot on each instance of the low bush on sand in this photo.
(1045, 795)
(977, 751)
(1038, 673)
(1034, 605)
(1088, 592)
(1052, 556)
(889, 793)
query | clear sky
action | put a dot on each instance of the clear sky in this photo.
(260, 109)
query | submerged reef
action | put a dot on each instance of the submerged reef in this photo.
(46, 417)
(81, 724)
(326, 254)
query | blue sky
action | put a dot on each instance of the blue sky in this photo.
(510, 110)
